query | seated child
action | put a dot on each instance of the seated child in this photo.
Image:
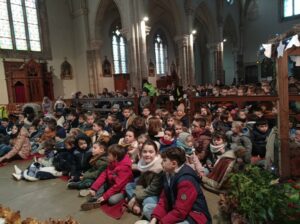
(182, 199)
(99, 133)
(185, 141)
(110, 185)
(19, 147)
(82, 156)
(130, 142)
(64, 159)
(144, 193)
(168, 140)
(98, 164)
(41, 169)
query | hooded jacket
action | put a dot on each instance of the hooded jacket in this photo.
(116, 175)
(182, 199)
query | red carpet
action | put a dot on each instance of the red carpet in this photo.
(64, 178)
(114, 211)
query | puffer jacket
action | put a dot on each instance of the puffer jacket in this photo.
(116, 175)
(21, 145)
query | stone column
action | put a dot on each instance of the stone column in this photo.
(216, 55)
(183, 71)
(94, 65)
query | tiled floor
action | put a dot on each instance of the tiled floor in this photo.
(50, 198)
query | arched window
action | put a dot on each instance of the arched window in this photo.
(19, 25)
(119, 52)
(161, 58)
(291, 8)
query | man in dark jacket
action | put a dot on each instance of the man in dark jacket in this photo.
(182, 199)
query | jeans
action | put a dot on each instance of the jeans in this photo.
(114, 199)
(130, 188)
(149, 204)
(4, 149)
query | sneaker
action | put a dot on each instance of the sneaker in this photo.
(142, 222)
(17, 170)
(90, 205)
(17, 176)
(84, 192)
(72, 185)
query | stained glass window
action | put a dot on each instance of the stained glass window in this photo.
(161, 59)
(19, 25)
(119, 52)
(291, 8)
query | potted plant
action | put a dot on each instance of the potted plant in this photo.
(255, 196)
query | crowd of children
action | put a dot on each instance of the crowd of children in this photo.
(157, 162)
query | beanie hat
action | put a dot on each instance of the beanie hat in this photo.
(181, 143)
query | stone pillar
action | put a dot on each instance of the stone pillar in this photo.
(216, 55)
(183, 52)
(136, 39)
(94, 63)
(235, 52)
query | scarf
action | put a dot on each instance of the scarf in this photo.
(216, 148)
(155, 166)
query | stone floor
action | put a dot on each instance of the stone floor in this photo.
(50, 198)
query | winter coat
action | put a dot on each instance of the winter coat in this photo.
(98, 165)
(202, 140)
(259, 141)
(116, 175)
(164, 145)
(81, 164)
(235, 140)
(21, 145)
(182, 199)
(151, 180)
(64, 160)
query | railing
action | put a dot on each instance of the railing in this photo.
(104, 104)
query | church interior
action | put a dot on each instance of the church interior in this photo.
(226, 65)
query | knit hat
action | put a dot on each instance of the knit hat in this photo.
(181, 143)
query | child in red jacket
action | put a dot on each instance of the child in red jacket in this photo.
(110, 185)
(181, 200)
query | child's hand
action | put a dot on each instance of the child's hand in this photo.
(101, 199)
(131, 203)
(92, 193)
(81, 177)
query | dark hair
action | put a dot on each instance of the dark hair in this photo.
(127, 107)
(101, 145)
(5, 119)
(261, 121)
(84, 137)
(100, 123)
(172, 130)
(150, 142)
(131, 129)
(175, 153)
(117, 127)
(117, 151)
(219, 134)
(201, 122)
